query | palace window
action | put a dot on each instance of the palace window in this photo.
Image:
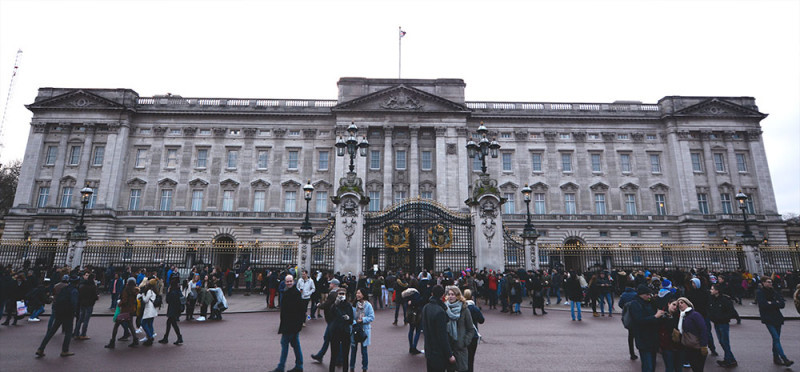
(135, 199)
(600, 203)
(596, 163)
(322, 202)
(66, 197)
(99, 152)
(697, 162)
(52, 153)
(259, 198)
(323, 160)
(197, 200)
(202, 158)
(74, 155)
(427, 160)
(702, 203)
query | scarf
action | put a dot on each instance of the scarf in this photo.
(453, 312)
(359, 310)
(683, 315)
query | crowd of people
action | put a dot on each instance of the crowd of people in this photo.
(667, 312)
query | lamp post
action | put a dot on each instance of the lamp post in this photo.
(80, 230)
(308, 189)
(483, 148)
(529, 233)
(747, 235)
(351, 145)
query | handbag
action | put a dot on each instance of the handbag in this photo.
(122, 317)
(21, 308)
(689, 340)
(359, 335)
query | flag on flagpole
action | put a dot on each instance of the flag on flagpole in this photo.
(402, 33)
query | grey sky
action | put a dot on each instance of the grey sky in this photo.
(560, 51)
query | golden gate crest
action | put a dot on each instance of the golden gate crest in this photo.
(395, 237)
(440, 237)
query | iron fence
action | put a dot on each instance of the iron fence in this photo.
(183, 254)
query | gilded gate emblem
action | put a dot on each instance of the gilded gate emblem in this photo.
(440, 237)
(395, 237)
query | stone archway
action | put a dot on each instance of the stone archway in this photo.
(224, 251)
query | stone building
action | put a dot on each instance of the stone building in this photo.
(171, 167)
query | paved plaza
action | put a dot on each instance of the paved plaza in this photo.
(247, 338)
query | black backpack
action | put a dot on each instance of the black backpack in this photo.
(627, 317)
(158, 301)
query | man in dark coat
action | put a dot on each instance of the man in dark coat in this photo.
(438, 354)
(327, 310)
(64, 307)
(770, 302)
(292, 317)
(645, 325)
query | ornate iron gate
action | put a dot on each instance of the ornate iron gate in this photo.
(513, 250)
(418, 234)
(322, 249)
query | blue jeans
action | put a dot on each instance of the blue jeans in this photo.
(557, 292)
(516, 307)
(606, 298)
(83, 320)
(775, 332)
(572, 305)
(294, 340)
(147, 325)
(413, 340)
(648, 360)
(673, 360)
(364, 356)
(326, 340)
(723, 335)
(35, 314)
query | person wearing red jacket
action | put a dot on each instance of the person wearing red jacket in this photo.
(492, 290)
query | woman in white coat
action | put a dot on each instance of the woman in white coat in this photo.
(363, 314)
(148, 295)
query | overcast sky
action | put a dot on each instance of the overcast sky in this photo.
(559, 51)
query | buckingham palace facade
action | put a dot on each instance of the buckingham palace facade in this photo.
(171, 167)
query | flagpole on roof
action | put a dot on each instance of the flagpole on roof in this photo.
(399, 51)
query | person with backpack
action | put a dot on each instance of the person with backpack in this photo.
(175, 304)
(64, 308)
(149, 313)
(626, 297)
(720, 312)
(574, 295)
(415, 302)
(37, 298)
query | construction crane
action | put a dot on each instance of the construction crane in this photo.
(8, 99)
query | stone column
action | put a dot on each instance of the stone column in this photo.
(464, 166)
(485, 205)
(31, 163)
(388, 167)
(304, 250)
(350, 206)
(75, 252)
(752, 258)
(442, 166)
(413, 162)
(529, 264)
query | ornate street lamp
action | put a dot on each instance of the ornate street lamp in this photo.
(351, 145)
(86, 194)
(529, 232)
(483, 148)
(308, 189)
(747, 236)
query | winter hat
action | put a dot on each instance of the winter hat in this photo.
(65, 278)
(666, 283)
(132, 279)
(643, 289)
(712, 278)
(696, 282)
(686, 300)
(334, 282)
